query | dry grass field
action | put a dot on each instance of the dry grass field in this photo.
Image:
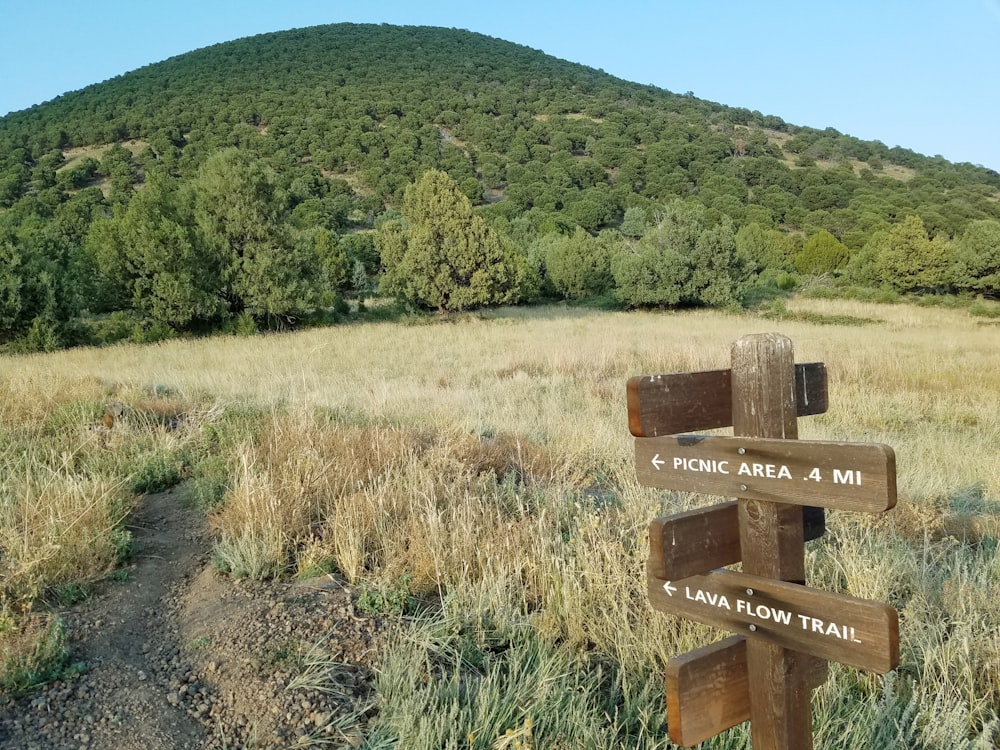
(474, 476)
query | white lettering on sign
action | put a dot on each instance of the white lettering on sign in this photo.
(752, 469)
(765, 471)
(707, 597)
(766, 612)
(846, 477)
(707, 465)
(816, 625)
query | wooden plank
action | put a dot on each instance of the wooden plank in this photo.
(765, 405)
(679, 402)
(693, 401)
(708, 689)
(847, 476)
(834, 627)
(698, 541)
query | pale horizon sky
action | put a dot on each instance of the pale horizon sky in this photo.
(914, 73)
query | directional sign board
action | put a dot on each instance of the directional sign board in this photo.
(847, 476)
(693, 401)
(835, 627)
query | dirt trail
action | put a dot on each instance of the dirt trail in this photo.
(178, 657)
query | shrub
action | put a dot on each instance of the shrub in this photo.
(579, 266)
(822, 253)
(983, 309)
(157, 472)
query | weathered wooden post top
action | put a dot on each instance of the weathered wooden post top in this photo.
(785, 632)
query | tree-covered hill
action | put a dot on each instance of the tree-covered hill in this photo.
(318, 132)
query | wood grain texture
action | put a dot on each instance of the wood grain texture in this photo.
(693, 401)
(699, 541)
(708, 689)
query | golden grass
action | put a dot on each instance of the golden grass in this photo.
(920, 380)
(894, 171)
(57, 532)
(484, 462)
(74, 156)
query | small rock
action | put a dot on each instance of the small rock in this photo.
(320, 718)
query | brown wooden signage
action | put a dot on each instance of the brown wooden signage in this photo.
(698, 541)
(786, 631)
(708, 689)
(848, 476)
(835, 627)
(695, 401)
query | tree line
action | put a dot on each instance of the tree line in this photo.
(440, 253)
(266, 179)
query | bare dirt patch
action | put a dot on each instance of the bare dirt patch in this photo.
(180, 657)
(74, 156)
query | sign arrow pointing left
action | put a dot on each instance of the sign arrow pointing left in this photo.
(668, 588)
(657, 462)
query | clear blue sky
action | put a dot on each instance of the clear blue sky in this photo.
(923, 74)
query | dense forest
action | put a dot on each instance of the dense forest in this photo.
(260, 183)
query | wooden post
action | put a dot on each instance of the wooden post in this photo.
(771, 540)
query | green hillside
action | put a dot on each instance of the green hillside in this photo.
(587, 184)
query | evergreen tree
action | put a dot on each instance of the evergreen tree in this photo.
(332, 257)
(822, 253)
(10, 288)
(635, 222)
(718, 274)
(444, 256)
(863, 266)
(243, 230)
(764, 248)
(910, 261)
(977, 258)
(578, 265)
(685, 259)
(40, 253)
(148, 260)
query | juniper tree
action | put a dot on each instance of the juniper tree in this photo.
(442, 255)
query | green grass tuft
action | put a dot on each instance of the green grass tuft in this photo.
(32, 653)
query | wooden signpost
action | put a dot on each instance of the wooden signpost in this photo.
(786, 632)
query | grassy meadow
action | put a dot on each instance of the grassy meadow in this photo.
(474, 475)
